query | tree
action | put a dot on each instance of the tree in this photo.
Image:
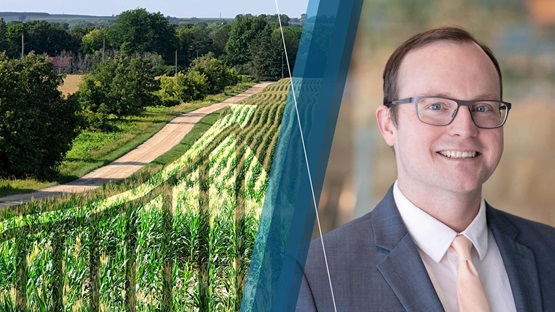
(244, 30)
(94, 40)
(13, 38)
(3, 32)
(292, 37)
(194, 41)
(269, 61)
(219, 33)
(121, 86)
(273, 20)
(78, 32)
(266, 54)
(138, 31)
(41, 37)
(37, 125)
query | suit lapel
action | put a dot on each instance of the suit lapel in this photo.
(519, 262)
(402, 267)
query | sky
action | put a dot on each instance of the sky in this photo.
(174, 8)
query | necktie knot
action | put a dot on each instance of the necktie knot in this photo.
(462, 247)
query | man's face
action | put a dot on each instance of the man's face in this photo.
(427, 158)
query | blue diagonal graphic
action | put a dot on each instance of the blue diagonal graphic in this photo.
(288, 213)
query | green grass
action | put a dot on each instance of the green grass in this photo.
(92, 150)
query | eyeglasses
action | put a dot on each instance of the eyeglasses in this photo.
(441, 111)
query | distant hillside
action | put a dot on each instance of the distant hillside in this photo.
(30, 16)
(73, 19)
(86, 20)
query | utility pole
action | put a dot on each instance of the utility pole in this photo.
(282, 75)
(22, 44)
(103, 48)
(175, 62)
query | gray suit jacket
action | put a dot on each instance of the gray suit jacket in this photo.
(375, 265)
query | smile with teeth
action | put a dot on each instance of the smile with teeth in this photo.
(459, 154)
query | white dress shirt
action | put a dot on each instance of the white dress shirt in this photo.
(433, 239)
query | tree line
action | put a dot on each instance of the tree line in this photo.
(251, 44)
(132, 66)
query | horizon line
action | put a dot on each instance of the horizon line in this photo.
(115, 15)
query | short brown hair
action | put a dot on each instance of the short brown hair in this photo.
(391, 71)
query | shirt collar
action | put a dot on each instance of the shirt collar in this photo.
(432, 236)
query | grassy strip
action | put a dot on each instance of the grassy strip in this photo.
(92, 150)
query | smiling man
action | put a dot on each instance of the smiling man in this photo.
(433, 243)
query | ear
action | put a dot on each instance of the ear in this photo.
(386, 125)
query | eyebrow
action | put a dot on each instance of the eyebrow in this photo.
(482, 96)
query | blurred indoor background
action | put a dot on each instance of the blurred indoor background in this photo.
(522, 35)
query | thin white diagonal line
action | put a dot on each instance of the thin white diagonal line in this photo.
(305, 156)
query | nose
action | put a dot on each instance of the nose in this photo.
(463, 125)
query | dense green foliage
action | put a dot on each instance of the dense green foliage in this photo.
(182, 88)
(3, 32)
(93, 40)
(269, 61)
(193, 41)
(243, 32)
(250, 44)
(138, 31)
(39, 36)
(218, 75)
(206, 75)
(121, 86)
(37, 125)
(255, 46)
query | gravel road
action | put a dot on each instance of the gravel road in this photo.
(121, 168)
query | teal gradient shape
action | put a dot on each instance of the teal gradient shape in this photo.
(288, 213)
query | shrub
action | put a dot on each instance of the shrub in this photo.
(217, 73)
(198, 84)
(182, 88)
(170, 92)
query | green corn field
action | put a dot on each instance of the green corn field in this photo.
(179, 239)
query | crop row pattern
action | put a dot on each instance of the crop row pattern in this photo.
(180, 240)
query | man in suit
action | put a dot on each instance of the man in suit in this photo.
(443, 115)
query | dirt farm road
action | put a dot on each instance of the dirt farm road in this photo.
(121, 168)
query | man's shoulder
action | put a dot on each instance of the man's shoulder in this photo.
(355, 232)
(351, 259)
(523, 223)
(525, 230)
(361, 235)
(349, 249)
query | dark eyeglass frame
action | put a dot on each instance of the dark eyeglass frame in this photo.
(460, 103)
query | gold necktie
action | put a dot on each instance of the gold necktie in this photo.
(470, 292)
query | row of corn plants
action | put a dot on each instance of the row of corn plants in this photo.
(179, 239)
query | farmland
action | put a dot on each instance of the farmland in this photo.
(71, 84)
(175, 239)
